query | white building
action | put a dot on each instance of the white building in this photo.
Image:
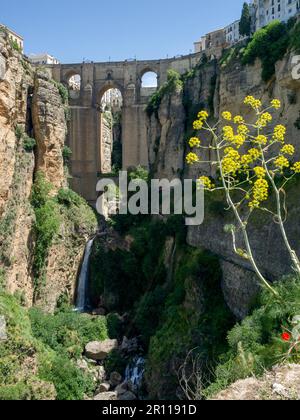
(268, 10)
(16, 39)
(200, 46)
(232, 32)
(43, 59)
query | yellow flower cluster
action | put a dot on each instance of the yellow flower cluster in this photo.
(227, 116)
(239, 140)
(296, 167)
(230, 152)
(203, 115)
(250, 157)
(260, 172)
(279, 133)
(254, 103)
(206, 182)
(260, 193)
(231, 161)
(264, 119)
(228, 133)
(282, 162)
(238, 120)
(243, 130)
(197, 125)
(288, 149)
(261, 139)
(276, 103)
(194, 142)
(192, 158)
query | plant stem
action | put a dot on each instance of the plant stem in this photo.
(242, 225)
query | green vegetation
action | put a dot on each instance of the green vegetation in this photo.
(256, 345)
(28, 143)
(19, 132)
(245, 22)
(194, 315)
(14, 45)
(37, 360)
(63, 91)
(46, 226)
(174, 84)
(67, 332)
(297, 123)
(269, 44)
(51, 212)
(67, 154)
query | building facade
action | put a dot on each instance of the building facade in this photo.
(16, 39)
(232, 33)
(265, 11)
(43, 59)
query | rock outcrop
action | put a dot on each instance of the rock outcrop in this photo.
(99, 350)
(283, 383)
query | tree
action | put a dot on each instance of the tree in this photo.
(245, 23)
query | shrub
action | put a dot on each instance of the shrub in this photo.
(63, 91)
(28, 143)
(67, 332)
(174, 84)
(67, 154)
(46, 225)
(269, 44)
(255, 344)
(69, 381)
(66, 197)
(15, 46)
(19, 131)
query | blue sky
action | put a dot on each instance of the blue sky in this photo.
(117, 29)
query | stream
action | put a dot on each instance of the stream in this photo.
(135, 369)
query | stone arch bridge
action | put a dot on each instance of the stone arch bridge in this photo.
(84, 131)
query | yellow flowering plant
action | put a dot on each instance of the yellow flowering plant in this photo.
(252, 159)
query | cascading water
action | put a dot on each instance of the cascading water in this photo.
(84, 278)
(134, 373)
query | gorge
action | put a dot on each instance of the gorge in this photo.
(156, 289)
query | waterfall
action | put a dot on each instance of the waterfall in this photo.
(84, 278)
(135, 373)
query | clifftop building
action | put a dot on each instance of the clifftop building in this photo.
(14, 37)
(265, 11)
(43, 59)
(262, 12)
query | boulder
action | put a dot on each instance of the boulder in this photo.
(99, 350)
(106, 396)
(122, 388)
(128, 396)
(104, 387)
(115, 379)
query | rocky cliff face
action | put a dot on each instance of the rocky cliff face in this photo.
(31, 106)
(223, 87)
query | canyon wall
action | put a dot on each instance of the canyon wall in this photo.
(220, 87)
(31, 107)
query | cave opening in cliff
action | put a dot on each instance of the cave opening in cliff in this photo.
(111, 131)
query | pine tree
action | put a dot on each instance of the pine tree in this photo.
(245, 23)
